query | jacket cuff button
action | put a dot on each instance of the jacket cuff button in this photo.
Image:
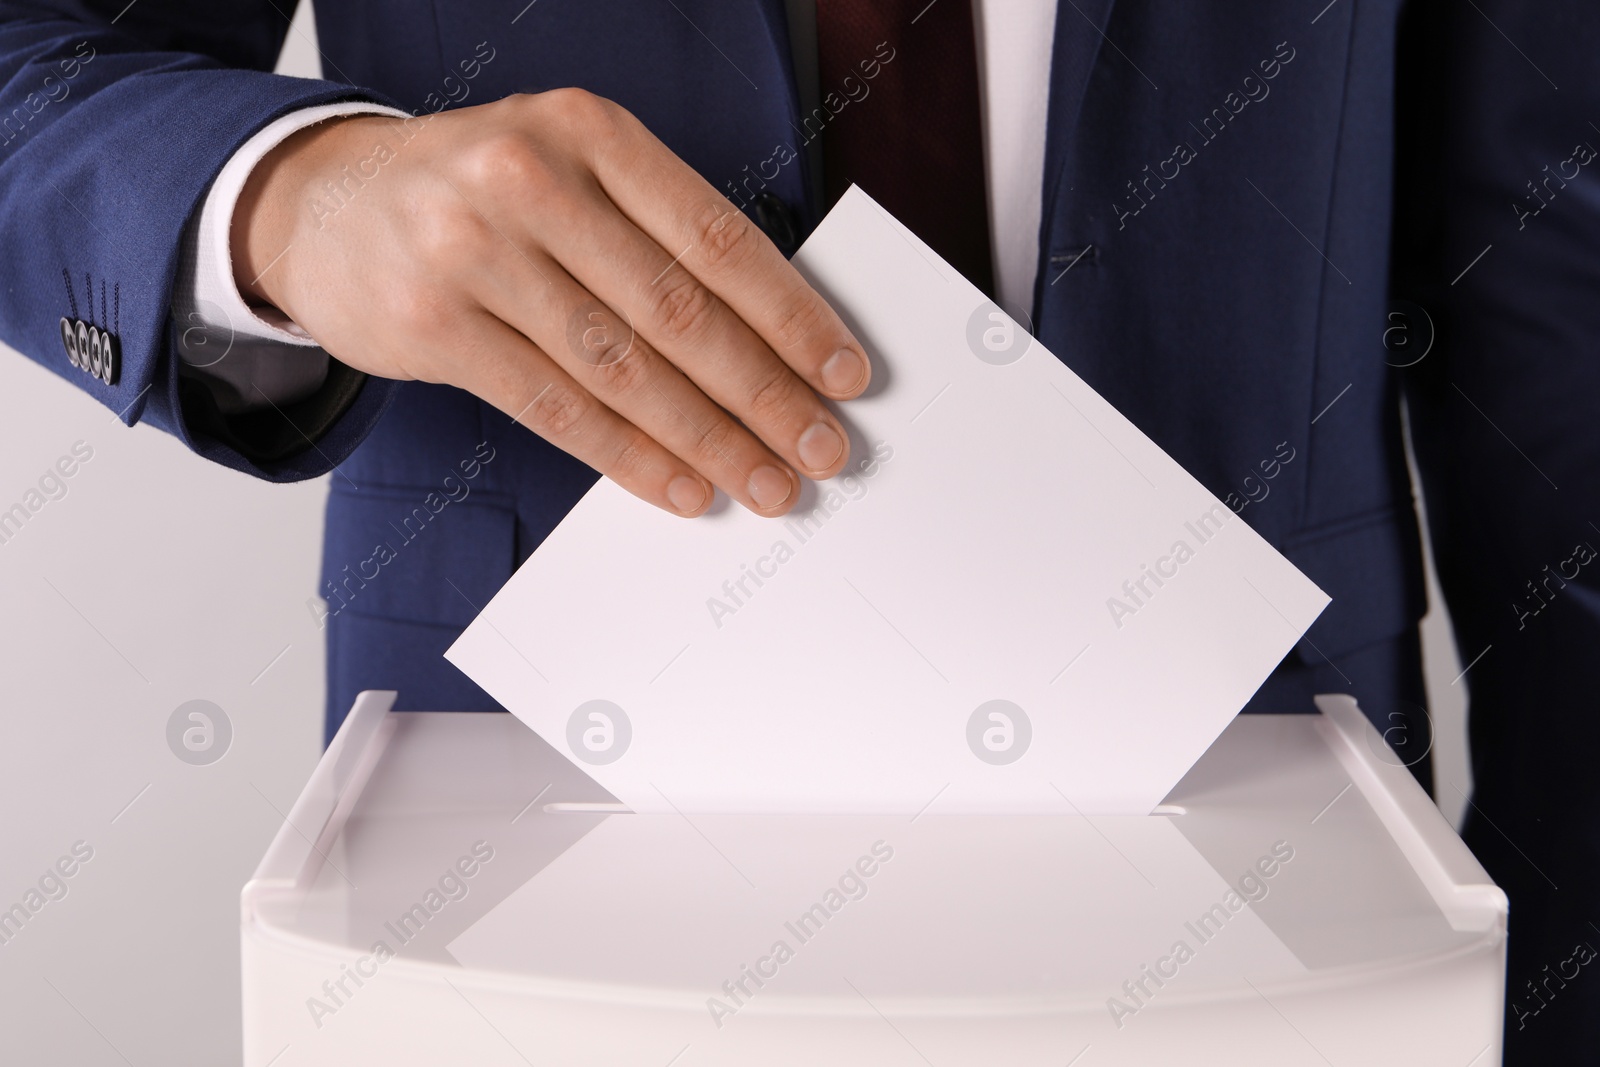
(69, 341)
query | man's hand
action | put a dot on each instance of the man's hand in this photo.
(493, 248)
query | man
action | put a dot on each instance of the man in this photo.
(1193, 206)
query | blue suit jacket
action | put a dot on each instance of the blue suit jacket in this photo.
(1218, 253)
(1220, 182)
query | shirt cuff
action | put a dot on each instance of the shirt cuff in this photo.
(247, 357)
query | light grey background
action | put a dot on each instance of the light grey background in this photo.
(159, 579)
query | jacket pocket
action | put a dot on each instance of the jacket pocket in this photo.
(1371, 567)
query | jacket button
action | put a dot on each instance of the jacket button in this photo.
(96, 364)
(69, 341)
(777, 222)
(110, 357)
(93, 350)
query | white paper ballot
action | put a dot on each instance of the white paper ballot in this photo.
(1010, 601)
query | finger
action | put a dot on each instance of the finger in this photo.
(600, 352)
(509, 371)
(689, 325)
(719, 245)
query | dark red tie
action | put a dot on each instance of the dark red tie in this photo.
(911, 135)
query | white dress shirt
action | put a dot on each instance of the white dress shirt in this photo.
(270, 359)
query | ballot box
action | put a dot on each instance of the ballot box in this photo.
(450, 890)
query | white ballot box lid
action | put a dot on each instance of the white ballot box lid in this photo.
(448, 888)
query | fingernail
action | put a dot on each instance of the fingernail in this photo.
(686, 494)
(844, 371)
(770, 487)
(820, 446)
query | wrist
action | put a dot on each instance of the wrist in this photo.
(272, 209)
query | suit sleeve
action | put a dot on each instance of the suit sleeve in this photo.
(114, 120)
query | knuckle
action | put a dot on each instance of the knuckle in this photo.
(610, 356)
(502, 160)
(683, 307)
(717, 443)
(559, 411)
(799, 320)
(579, 109)
(596, 336)
(726, 238)
(627, 372)
(633, 457)
(772, 400)
(522, 109)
